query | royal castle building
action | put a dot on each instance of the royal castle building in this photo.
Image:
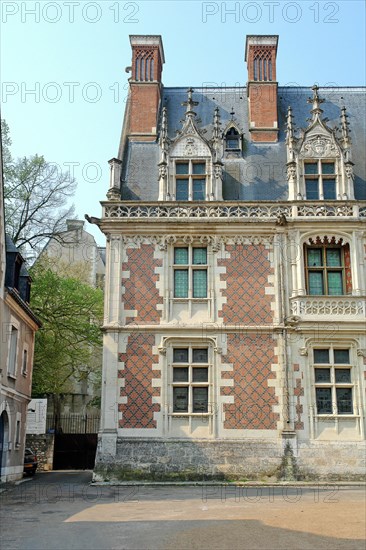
(235, 308)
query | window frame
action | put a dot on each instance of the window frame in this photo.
(190, 268)
(191, 177)
(333, 384)
(320, 177)
(13, 352)
(324, 268)
(190, 384)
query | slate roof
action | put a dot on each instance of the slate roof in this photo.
(261, 172)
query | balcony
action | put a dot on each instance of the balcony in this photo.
(329, 306)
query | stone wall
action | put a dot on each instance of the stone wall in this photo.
(200, 460)
(43, 446)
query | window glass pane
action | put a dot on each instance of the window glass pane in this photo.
(200, 399)
(324, 401)
(315, 257)
(321, 356)
(322, 375)
(200, 256)
(200, 356)
(328, 168)
(312, 190)
(311, 168)
(200, 283)
(199, 189)
(232, 143)
(182, 190)
(200, 375)
(181, 283)
(333, 257)
(329, 189)
(335, 286)
(180, 355)
(180, 399)
(199, 168)
(316, 283)
(341, 356)
(181, 168)
(181, 256)
(344, 400)
(343, 375)
(180, 375)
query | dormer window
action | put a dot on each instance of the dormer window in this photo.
(232, 140)
(320, 180)
(190, 180)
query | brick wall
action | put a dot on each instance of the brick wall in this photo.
(247, 271)
(140, 292)
(138, 360)
(144, 101)
(251, 357)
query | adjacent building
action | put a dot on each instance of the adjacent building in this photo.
(18, 328)
(235, 308)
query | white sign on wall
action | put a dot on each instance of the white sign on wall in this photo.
(36, 416)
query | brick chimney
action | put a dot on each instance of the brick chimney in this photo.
(145, 86)
(260, 55)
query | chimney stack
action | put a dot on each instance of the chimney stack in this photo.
(145, 86)
(260, 55)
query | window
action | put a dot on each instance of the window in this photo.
(263, 66)
(320, 180)
(190, 272)
(190, 180)
(13, 351)
(232, 139)
(17, 434)
(190, 380)
(325, 270)
(25, 362)
(333, 381)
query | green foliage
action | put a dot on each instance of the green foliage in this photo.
(36, 193)
(68, 344)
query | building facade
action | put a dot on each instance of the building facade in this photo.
(235, 310)
(18, 328)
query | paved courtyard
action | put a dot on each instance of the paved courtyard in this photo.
(61, 510)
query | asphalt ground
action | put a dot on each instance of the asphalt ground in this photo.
(62, 510)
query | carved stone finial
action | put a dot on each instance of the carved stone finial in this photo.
(189, 104)
(345, 128)
(164, 140)
(216, 129)
(316, 102)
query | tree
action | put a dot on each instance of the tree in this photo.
(69, 342)
(36, 193)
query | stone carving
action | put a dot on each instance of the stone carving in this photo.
(326, 306)
(319, 146)
(233, 210)
(190, 148)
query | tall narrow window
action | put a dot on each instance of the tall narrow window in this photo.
(232, 139)
(190, 380)
(190, 272)
(13, 351)
(320, 180)
(333, 381)
(25, 362)
(190, 180)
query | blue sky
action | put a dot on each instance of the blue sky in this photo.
(73, 55)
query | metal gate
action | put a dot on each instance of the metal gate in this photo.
(75, 441)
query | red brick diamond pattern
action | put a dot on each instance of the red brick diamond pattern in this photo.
(141, 293)
(139, 410)
(247, 272)
(251, 357)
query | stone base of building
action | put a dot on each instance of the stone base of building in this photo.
(231, 460)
